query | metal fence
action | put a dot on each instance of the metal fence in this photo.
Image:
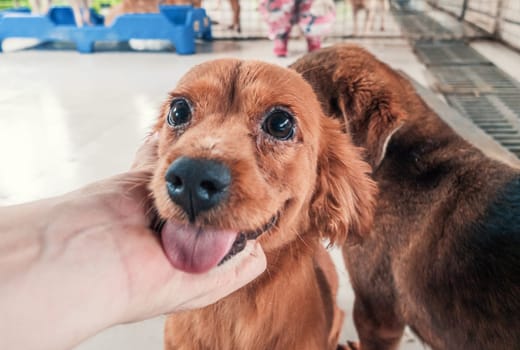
(97, 4)
(498, 17)
(253, 25)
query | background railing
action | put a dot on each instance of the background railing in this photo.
(97, 4)
(498, 17)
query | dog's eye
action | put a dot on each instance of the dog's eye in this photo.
(180, 112)
(279, 124)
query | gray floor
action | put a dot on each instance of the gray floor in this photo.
(68, 119)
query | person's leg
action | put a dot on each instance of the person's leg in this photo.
(313, 43)
(45, 6)
(280, 44)
(76, 10)
(278, 16)
(86, 13)
(35, 6)
(235, 8)
(314, 27)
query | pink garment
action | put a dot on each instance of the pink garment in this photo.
(281, 15)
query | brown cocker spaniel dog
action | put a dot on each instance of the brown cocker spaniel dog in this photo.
(444, 253)
(246, 153)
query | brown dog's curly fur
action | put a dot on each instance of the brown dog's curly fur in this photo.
(444, 253)
(316, 181)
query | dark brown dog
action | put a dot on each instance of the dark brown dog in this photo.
(444, 254)
(246, 153)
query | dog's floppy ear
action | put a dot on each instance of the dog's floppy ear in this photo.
(372, 116)
(344, 197)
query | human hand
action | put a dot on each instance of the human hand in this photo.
(90, 261)
(154, 287)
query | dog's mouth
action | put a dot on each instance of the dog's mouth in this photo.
(197, 249)
(240, 242)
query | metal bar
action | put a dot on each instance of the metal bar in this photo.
(498, 19)
(484, 13)
(512, 21)
(463, 12)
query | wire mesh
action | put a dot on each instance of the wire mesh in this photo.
(253, 25)
(97, 4)
(500, 17)
(415, 20)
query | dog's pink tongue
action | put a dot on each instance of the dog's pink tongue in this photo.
(195, 249)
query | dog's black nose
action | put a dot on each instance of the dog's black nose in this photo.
(197, 184)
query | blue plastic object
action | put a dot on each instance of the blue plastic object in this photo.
(180, 25)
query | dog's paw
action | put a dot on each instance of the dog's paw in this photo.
(352, 346)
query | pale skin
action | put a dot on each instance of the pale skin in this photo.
(73, 265)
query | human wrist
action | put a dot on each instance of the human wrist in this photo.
(21, 228)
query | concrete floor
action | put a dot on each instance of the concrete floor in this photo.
(68, 119)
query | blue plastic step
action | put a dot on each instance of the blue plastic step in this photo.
(180, 25)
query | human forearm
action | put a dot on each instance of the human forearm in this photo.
(21, 240)
(43, 279)
(73, 265)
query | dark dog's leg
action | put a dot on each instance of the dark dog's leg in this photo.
(378, 327)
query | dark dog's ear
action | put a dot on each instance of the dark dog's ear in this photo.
(374, 122)
(344, 198)
(371, 114)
